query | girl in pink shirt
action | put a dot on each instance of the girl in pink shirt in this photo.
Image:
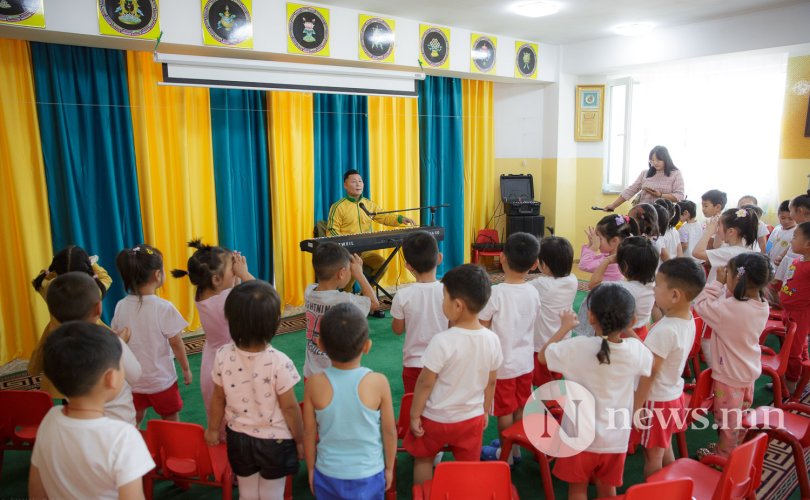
(603, 241)
(214, 271)
(737, 321)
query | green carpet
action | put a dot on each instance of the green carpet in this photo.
(385, 357)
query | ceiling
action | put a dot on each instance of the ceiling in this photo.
(576, 21)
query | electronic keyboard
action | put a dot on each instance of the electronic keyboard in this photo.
(364, 242)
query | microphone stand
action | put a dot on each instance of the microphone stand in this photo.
(432, 209)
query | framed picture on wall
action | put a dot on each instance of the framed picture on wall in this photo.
(590, 107)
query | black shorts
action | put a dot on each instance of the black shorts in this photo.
(271, 458)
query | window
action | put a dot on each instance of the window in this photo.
(619, 102)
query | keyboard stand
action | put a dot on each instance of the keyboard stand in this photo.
(374, 280)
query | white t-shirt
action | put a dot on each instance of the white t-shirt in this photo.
(671, 339)
(644, 297)
(316, 303)
(719, 257)
(513, 310)
(122, 406)
(612, 385)
(784, 266)
(91, 458)
(420, 305)
(779, 242)
(152, 322)
(690, 233)
(462, 359)
(556, 295)
(672, 240)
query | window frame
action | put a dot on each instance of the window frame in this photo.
(608, 188)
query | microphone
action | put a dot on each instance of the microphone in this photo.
(364, 209)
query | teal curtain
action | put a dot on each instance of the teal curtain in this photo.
(86, 130)
(341, 144)
(241, 170)
(441, 161)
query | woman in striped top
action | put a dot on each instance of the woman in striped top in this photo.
(661, 180)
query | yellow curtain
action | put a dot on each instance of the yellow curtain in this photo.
(172, 131)
(292, 194)
(26, 227)
(393, 152)
(479, 157)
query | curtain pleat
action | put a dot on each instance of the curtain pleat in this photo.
(87, 146)
(394, 166)
(479, 157)
(441, 161)
(241, 171)
(291, 184)
(26, 227)
(341, 144)
(172, 130)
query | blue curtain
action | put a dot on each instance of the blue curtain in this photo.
(441, 161)
(239, 135)
(341, 144)
(86, 130)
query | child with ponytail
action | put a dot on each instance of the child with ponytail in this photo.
(735, 308)
(155, 326)
(603, 240)
(606, 365)
(736, 228)
(214, 271)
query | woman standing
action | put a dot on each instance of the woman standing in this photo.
(661, 180)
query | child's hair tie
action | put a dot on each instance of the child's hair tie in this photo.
(620, 220)
(741, 213)
(740, 270)
(136, 249)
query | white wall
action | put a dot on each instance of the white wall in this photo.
(180, 21)
(518, 111)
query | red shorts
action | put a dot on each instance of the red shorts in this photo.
(642, 332)
(657, 428)
(604, 468)
(541, 374)
(512, 393)
(165, 403)
(409, 376)
(463, 438)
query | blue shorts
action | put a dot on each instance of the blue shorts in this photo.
(328, 488)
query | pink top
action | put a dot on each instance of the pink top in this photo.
(660, 182)
(590, 260)
(212, 318)
(737, 325)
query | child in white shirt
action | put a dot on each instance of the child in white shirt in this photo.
(778, 243)
(558, 289)
(677, 283)
(691, 230)
(607, 365)
(511, 313)
(80, 453)
(417, 309)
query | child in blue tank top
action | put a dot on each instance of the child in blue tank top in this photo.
(348, 411)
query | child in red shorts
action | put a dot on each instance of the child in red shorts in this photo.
(607, 365)
(511, 313)
(677, 283)
(455, 389)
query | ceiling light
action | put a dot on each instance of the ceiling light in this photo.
(633, 29)
(535, 9)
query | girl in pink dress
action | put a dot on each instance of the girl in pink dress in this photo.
(214, 271)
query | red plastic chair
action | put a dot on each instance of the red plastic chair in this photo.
(692, 368)
(677, 489)
(486, 236)
(516, 435)
(740, 477)
(22, 412)
(182, 455)
(468, 481)
(774, 365)
(698, 403)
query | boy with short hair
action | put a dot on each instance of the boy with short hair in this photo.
(677, 283)
(455, 389)
(779, 241)
(349, 413)
(334, 267)
(713, 202)
(691, 230)
(80, 453)
(74, 297)
(557, 288)
(417, 309)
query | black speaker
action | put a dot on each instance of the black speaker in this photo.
(532, 224)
